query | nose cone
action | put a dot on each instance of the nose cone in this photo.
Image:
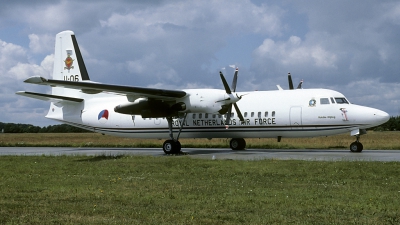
(381, 117)
(367, 117)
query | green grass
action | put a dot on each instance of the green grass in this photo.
(181, 190)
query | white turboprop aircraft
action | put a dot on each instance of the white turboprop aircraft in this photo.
(140, 112)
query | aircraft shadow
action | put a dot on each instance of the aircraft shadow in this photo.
(257, 151)
(100, 158)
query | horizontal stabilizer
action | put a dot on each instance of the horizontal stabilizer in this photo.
(47, 97)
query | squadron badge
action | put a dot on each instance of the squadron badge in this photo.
(68, 62)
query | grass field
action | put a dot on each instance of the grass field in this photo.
(373, 140)
(181, 190)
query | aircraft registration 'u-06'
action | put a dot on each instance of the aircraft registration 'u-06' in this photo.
(140, 112)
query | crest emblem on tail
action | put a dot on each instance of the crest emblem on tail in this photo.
(68, 62)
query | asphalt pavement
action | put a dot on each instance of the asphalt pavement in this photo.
(216, 153)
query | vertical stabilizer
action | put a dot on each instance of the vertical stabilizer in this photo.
(68, 62)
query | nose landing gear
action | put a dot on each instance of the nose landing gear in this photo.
(356, 146)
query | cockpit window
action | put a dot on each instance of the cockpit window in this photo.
(333, 101)
(341, 101)
(324, 101)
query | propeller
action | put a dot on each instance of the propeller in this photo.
(229, 92)
(299, 86)
(291, 82)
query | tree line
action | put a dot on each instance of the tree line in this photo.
(29, 128)
(393, 124)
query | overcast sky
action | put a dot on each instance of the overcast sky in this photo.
(349, 46)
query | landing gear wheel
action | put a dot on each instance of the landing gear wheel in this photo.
(356, 147)
(168, 146)
(172, 147)
(237, 144)
(178, 146)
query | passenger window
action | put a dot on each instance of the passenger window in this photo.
(266, 114)
(214, 116)
(194, 116)
(220, 116)
(245, 114)
(259, 114)
(273, 113)
(333, 101)
(252, 114)
(200, 115)
(206, 115)
(341, 101)
(324, 101)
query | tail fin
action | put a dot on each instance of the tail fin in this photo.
(68, 62)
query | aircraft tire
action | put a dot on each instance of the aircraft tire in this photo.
(178, 147)
(171, 147)
(360, 147)
(356, 147)
(237, 144)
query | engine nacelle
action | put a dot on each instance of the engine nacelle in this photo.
(146, 108)
(150, 108)
(212, 101)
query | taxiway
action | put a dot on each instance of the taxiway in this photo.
(216, 153)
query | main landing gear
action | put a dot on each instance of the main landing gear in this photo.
(237, 144)
(173, 146)
(356, 146)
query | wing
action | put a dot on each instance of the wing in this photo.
(90, 87)
(47, 97)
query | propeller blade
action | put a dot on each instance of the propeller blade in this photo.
(223, 100)
(238, 112)
(290, 81)
(299, 86)
(235, 76)
(226, 86)
(228, 117)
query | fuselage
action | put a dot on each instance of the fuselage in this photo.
(284, 113)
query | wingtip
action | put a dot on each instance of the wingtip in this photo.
(35, 80)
